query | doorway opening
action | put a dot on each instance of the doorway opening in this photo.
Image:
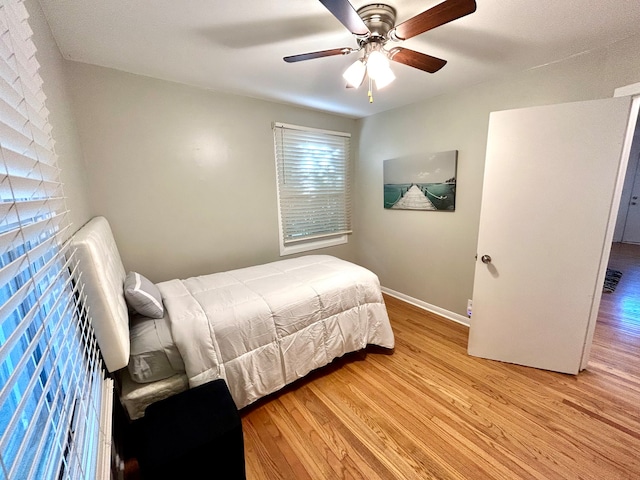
(627, 228)
(620, 310)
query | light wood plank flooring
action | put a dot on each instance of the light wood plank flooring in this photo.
(431, 411)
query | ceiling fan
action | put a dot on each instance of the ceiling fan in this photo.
(374, 25)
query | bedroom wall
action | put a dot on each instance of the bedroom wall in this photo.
(429, 256)
(64, 132)
(185, 176)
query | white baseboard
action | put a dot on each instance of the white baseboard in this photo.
(455, 317)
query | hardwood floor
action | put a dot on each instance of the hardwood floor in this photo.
(430, 411)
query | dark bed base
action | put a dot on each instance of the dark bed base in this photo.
(194, 434)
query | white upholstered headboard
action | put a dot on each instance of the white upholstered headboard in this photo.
(103, 274)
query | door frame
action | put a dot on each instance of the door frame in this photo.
(634, 92)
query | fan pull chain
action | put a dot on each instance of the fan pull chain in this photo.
(370, 91)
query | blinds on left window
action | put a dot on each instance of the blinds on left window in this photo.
(52, 386)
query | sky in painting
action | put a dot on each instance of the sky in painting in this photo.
(428, 168)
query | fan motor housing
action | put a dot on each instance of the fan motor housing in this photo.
(379, 18)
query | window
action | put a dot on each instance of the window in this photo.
(51, 381)
(314, 202)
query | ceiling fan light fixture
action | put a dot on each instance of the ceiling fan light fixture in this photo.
(354, 75)
(377, 63)
(384, 77)
(379, 70)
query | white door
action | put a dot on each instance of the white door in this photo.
(549, 191)
(632, 223)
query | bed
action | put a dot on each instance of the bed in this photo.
(259, 328)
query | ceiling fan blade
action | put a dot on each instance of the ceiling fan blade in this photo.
(318, 54)
(417, 60)
(443, 13)
(344, 11)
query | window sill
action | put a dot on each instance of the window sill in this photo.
(312, 245)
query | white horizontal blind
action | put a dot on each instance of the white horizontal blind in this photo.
(51, 377)
(313, 182)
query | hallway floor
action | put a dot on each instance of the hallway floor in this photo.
(621, 309)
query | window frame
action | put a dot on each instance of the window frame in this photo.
(314, 242)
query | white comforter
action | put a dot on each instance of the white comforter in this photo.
(263, 327)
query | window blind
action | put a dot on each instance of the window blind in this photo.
(313, 182)
(53, 392)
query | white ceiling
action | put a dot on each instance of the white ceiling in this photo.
(237, 46)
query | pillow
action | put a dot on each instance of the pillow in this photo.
(154, 356)
(143, 296)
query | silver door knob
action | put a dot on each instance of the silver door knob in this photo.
(485, 259)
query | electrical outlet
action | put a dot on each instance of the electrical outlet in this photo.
(469, 307)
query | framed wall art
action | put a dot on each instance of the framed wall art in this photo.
(423, 182)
